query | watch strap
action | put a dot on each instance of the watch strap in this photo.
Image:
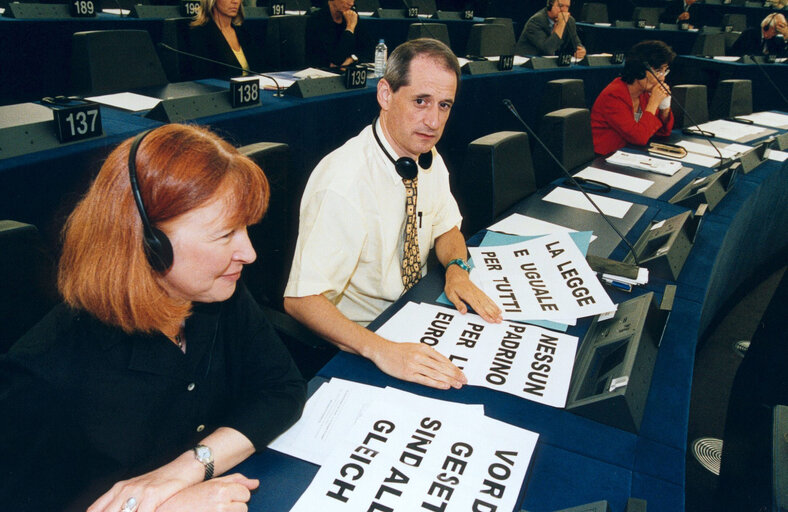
(460, 263)
(209, 470)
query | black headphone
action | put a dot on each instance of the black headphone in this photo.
(406, 167)
(157, 246)
(550, 4)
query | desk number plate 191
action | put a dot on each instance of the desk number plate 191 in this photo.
(77, 122)
(190, 8)
(82, 9)
(278, 9)
(245, 91)
(355, 77)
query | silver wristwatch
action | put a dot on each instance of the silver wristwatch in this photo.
(204, 455)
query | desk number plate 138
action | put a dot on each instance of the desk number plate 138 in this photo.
(245, 91)
(77, 122)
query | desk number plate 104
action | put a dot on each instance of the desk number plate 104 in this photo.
(77, 122)
(245, 91)
(82, 9)
(190, 8)
(355, 77)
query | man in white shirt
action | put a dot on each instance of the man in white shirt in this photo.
(348, 265)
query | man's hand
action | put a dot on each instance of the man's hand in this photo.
(684, 16)
(461, 291)
(416, 362)
(351, 19)
(580, 53)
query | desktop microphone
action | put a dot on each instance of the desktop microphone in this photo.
(724, 162)
(277, 94)
(514, 112)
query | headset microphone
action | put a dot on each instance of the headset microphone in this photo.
(278, 93)
(157, 246)
(513, 110)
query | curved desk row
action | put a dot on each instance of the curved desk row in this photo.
(578, 460)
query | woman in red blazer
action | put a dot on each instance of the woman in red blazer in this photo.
(634, 107)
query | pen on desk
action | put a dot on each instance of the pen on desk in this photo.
(740, 120)
(625, 287)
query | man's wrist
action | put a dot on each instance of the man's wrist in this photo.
(459, 262)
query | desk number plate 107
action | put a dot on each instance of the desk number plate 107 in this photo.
(245, 91)
(355, 77)
(77, 122)
(82, 9)
(190, 8)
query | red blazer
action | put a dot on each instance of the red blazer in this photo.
(613, 124)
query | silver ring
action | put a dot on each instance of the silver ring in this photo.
(130, 505)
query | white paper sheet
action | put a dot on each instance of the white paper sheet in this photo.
(399, 458)
(644, 163)
(777, 156)
(730, 130)
(576, 199)
(770, 119)
(127, 101)
(616, 180)
(522, 225)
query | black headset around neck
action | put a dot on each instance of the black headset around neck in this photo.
(157, 246)
(406, 167)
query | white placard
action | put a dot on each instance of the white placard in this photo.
(730, 130)
(615, 179)
(523, 360)
(403, 459)
(545, 278)
(127, 101)
(576, 199)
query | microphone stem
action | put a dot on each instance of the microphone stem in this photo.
(513, 110)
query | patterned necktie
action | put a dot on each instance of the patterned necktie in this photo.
(411, 258)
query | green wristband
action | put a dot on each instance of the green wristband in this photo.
(460, 263)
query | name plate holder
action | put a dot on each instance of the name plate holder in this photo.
(82, 9)
(29, 128)
(709, 190)
(244, 91)
(355, 77)
(76, 120)
(664, 246)
(190, 8)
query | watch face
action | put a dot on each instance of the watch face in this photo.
(203, 454)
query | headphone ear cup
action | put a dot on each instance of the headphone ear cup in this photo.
(425, 160)
(406, 167)
(158, 249)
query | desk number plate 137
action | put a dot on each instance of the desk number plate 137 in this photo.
(77, 122)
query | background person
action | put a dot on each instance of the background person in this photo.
(681, 11)
(137, 368)
(352, 259)
(634, 107)
(769, 39)
(551, 31)
(334, 37)
(217, 33)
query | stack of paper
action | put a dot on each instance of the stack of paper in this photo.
(385, 449)
(644, 163)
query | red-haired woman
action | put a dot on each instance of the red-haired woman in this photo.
(159, 370)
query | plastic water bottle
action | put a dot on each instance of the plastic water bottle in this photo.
(381, 55)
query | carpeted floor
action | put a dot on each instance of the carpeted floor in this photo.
(715, 367)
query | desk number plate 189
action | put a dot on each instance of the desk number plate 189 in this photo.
(355, 77)
(77, 122)
(82, 9)
(245, 91)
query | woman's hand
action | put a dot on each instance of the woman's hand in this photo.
(151, 489)
(226, 493)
